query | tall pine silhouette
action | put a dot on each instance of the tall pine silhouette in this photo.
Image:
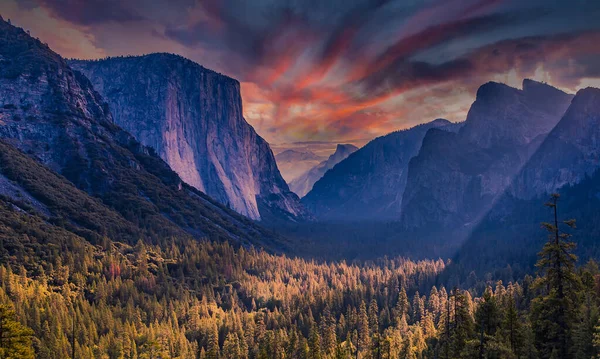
(553, 312)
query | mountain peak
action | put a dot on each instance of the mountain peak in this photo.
(440, 122)
(494, 90)
(530, 84)
(53, 113)
(541, 92)
(588, 93)
(345, 147)
(295, 155)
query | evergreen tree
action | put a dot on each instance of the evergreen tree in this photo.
(315, 343)
(212, 350)
(402, 307)
(15, 339)
(231, 347)
(512, 329)
(364, 332)
(554, 310)
(462, 325)
(587, 319)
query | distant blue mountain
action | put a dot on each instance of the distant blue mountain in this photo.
(368, 185)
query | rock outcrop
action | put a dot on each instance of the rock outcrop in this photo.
(456, 178)
(193, 118)
(368, 185)
(568, 154)
(304, 183)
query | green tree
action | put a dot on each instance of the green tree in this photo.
(402, 307)
(15, 339)
(364, 333)
(512, 328)
(487, 320)
(231, 347)
(463, 324)
(314, 343)
(212, 350)
(587, 319)
(554, 310)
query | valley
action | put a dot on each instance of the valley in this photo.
(142, 216)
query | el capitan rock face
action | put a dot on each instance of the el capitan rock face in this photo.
(456, 178)
(368, 185)
(304, 183)
(193, 118)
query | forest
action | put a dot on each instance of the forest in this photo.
(62, 297)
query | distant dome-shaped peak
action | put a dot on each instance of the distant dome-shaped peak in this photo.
(440, 122)
(344, 146)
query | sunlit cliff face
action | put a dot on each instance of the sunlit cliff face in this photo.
(339, 71)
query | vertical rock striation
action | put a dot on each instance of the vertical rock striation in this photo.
(193, 118)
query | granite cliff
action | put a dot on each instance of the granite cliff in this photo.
(368, 185)
(456, 177)
(193, 118)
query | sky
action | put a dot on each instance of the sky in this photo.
(314, 73)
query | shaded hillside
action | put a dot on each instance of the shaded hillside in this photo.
(368, 185)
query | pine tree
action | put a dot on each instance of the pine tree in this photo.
(417, 308)
(587, 319)
(15, 339)
(231, 347)
(554, 310)
(402, 307)
(328, 332)
(212, 350)
(512, 328)
(487, 316)
(364, 333)
(315, 343)
(463, 324)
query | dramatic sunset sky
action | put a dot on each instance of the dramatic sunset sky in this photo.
(328, 71)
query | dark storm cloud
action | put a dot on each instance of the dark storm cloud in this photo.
(91, 12)
(273, 33)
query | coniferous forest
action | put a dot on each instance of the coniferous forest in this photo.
(212, 300)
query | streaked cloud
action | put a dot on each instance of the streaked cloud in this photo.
(338, 71)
